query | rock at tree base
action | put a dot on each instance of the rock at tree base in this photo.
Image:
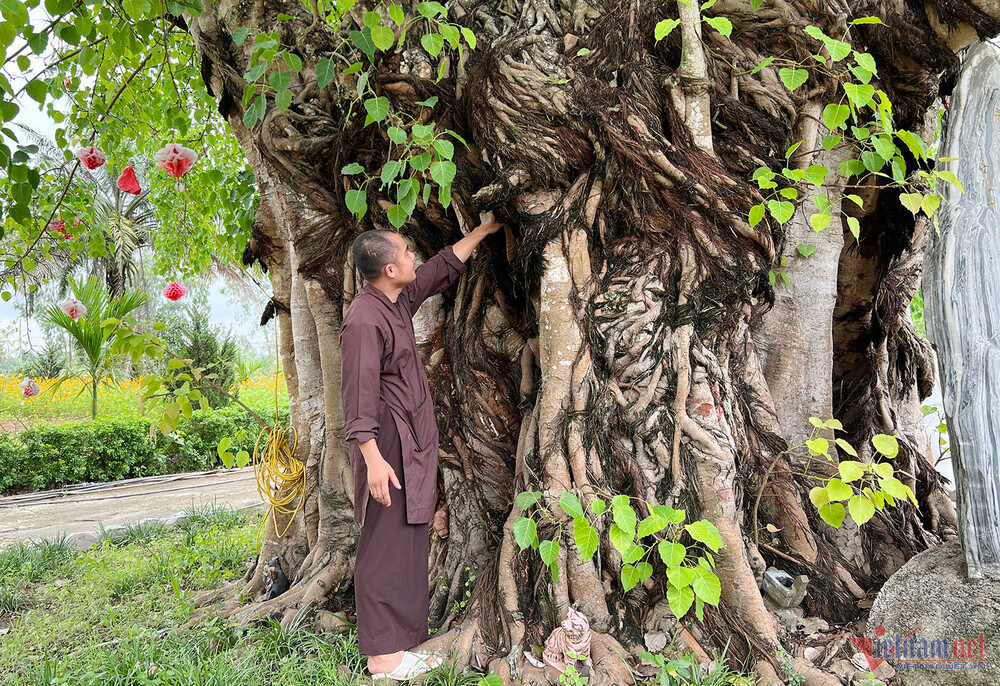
(957, 622)
(81, 541)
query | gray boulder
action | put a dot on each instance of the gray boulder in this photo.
(175, 520)
(936, 626)
(82, 541)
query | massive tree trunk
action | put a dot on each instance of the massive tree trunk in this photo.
(621, 336)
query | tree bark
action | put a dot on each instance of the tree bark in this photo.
(621, 335)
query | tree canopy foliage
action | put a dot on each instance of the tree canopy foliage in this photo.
(124, 77)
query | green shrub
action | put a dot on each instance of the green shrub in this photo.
(106, 449)
(14, 472)
(112, 448)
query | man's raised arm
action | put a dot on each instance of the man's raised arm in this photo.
(443, 269)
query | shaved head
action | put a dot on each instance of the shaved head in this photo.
(373, 250)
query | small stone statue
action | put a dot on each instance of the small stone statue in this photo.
(569, 644)
(275, 581)
(783, 593)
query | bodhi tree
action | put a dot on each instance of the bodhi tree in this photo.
(715, 215)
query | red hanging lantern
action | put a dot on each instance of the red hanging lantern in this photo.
(174, 291)
(176, 160)
(59, 227)
(91, 157)
(128, 183)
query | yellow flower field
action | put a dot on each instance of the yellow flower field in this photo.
(70, 401)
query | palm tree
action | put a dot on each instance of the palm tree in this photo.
(92, 338)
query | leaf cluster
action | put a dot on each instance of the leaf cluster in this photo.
(688, 565)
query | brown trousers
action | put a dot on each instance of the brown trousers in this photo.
(390, 576)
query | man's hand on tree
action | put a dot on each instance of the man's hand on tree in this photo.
(379, 476)
(487, 223)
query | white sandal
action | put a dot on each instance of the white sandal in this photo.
(412, 665)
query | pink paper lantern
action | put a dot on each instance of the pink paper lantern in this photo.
(29, 388)
(176, 160)
(91, 157)
(74, 309)
(174, 291)
(128, 183)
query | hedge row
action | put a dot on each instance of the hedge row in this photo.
(122, 447)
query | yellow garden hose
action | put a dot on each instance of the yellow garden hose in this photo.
(281, 479)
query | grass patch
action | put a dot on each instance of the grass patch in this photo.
(72, 617)
(118, 615)
(135, 533)
(36, 561)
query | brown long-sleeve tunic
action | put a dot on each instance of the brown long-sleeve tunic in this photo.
(383, 379)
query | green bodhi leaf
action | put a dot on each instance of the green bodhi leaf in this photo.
(679, 599)
(586, 537)
(847, 447)
(549, 552)
(397, 216)
(630, 577)
(837, 490)
(886, 445)
(706, 586)
(671, 553)
(705, 532)
(571, 505)
(833, 514)
(818, 496)
(526, 533)
(793, 78)
(664, 28)
(861, 508)
(526, 499)
(851, 470)
(356, 201)
(781, 210)
(720, 24)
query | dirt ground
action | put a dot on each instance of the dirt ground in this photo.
(83, 509)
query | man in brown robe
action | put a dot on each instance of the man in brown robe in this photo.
(393, 440)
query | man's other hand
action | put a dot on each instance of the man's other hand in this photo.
(379, 476)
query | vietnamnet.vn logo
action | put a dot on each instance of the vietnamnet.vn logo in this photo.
(916, 652)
